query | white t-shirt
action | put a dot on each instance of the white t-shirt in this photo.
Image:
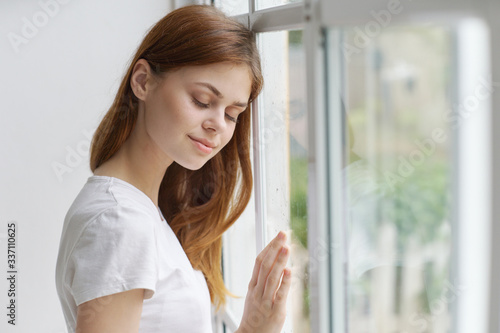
(114, 240)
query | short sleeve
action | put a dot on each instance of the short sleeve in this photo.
(116, 252)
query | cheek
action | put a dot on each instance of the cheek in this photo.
(163, 123)
(180, 111)
(174, 114)
(229, 135)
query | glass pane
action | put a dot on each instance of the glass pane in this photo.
(282, 108)
(397, 177)
(232, 7)
(263, 4)
(238, 260)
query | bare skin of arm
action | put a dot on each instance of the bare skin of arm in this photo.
(265, 304)
(120, 312)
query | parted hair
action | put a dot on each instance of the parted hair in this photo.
(199, 205)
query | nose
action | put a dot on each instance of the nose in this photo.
(216, 120)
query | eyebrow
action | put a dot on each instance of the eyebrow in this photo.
(218, 94)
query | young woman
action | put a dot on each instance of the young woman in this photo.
(141, 244)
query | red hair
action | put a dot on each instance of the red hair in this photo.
(199, 205)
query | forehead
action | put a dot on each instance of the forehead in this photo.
(232, 80)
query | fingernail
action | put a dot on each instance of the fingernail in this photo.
(281, 235)
(284, 250)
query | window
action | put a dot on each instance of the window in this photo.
(282, 185)
(283, 148)
(396, 177)
(372, 147)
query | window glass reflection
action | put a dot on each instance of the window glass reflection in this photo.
(397, 175)
(284, 150)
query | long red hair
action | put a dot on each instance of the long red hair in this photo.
(199, 205)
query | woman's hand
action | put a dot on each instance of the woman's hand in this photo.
(265, 303)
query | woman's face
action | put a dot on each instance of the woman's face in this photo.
(191, 113)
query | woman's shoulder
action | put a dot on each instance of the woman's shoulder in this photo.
(108, 206)
(119, 220)
(111, 196)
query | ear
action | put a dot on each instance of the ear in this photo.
(141, 79)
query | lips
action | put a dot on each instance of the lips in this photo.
(203, 141)
(203, 145)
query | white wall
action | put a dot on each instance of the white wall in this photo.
(54, 89)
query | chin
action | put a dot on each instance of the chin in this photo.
(193, 166)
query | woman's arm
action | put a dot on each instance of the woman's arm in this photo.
(119, 312)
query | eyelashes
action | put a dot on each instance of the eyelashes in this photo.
(206, 106)
(200, 104)
(234, 120)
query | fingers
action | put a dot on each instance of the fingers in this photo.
(268, 261)
(282, 293)
(265, 304)
(260, 258)
(274, 276)
(255, 274)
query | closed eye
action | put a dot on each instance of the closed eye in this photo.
(235, 120)
(200, 104)
(206, 106)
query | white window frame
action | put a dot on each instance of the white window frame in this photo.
(477, 192)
